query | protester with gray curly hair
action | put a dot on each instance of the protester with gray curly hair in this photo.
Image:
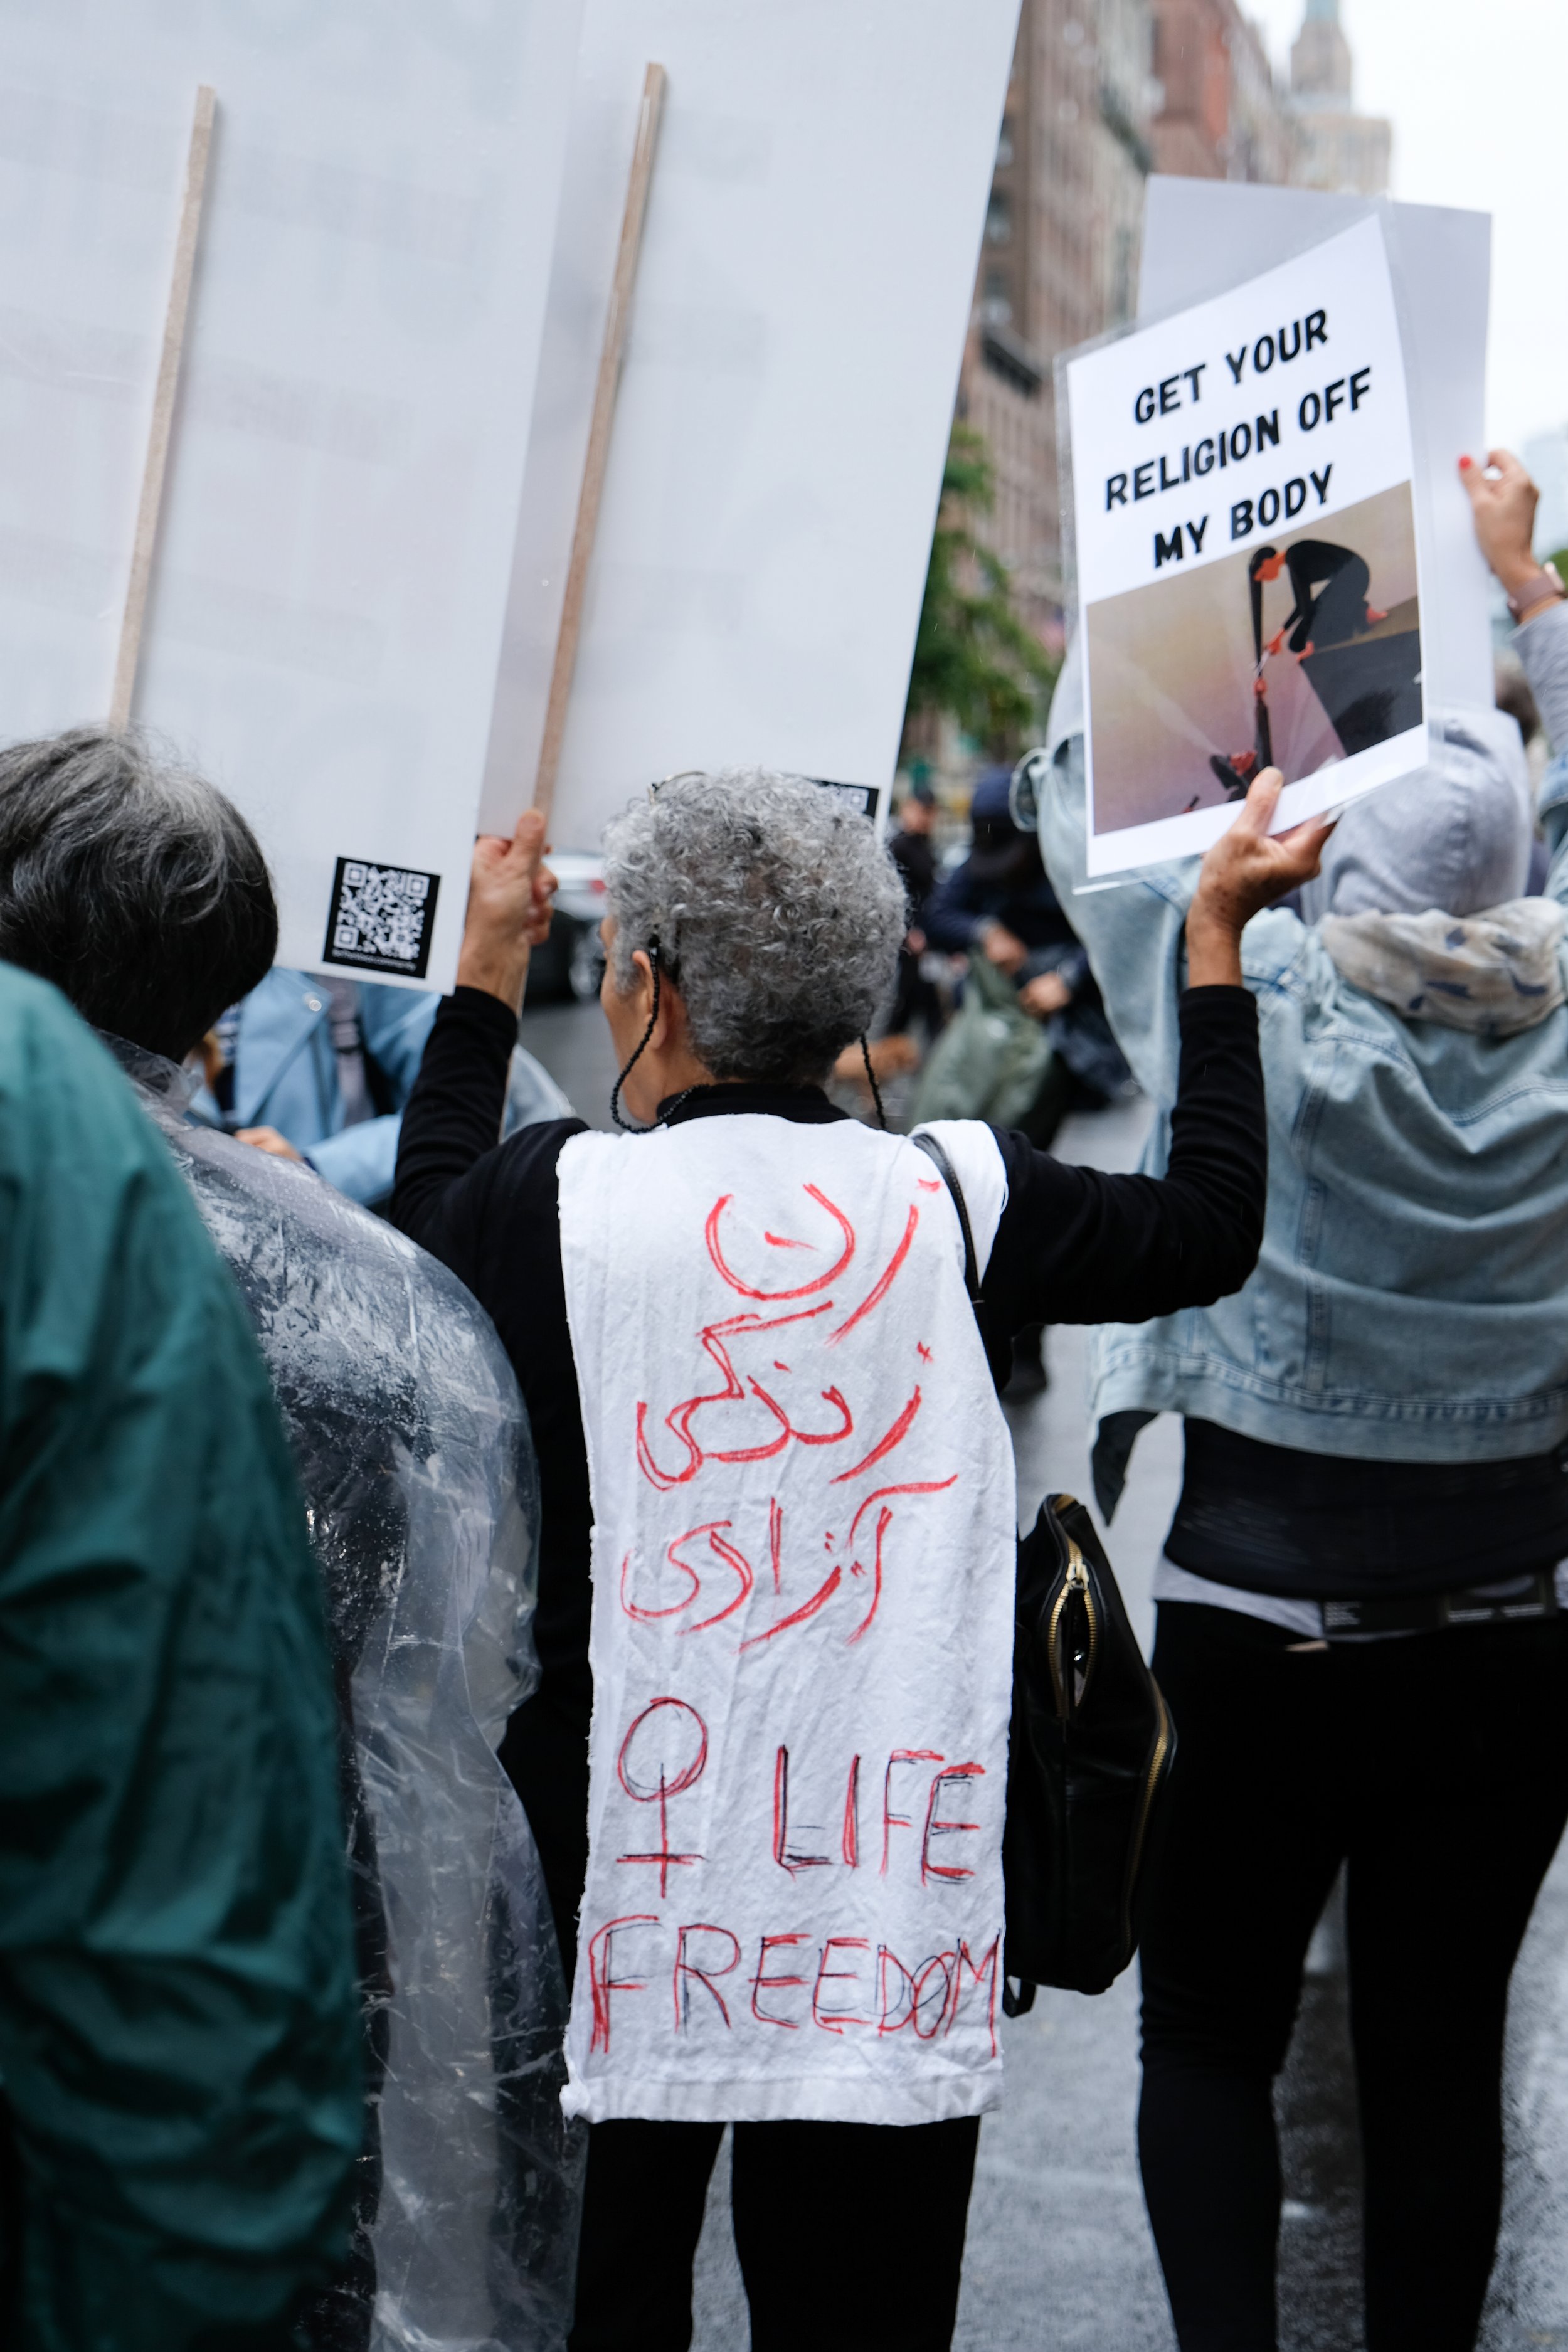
(783, 934)
(765, 1763)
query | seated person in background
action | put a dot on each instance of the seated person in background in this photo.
(1358, 1630)
(319, 1070)
(144, 893)
(751, 932)
(179, 2091)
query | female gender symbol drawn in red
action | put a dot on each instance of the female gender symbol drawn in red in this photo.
(658, 1772)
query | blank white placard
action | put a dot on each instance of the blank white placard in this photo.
(339, 517)
(808, 263)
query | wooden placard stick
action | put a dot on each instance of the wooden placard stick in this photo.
(611, 359)
(146, 540)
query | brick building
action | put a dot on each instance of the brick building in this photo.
(1103, 91)
(1059, 262)
(1221, 116)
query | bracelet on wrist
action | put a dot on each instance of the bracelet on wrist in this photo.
(1542, 588)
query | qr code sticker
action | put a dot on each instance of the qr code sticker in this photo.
(382, 918)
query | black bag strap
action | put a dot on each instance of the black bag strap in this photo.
(949, 1174)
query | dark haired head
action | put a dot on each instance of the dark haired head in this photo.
(133, 884)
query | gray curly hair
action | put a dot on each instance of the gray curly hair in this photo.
(777, 911)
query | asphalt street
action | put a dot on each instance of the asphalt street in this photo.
(1060, 2253)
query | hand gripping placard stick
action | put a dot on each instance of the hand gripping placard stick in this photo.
(611, 359)
(146, 540)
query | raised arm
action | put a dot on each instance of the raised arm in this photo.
(1503, 501)
(453, 1117)
(1077, 1246)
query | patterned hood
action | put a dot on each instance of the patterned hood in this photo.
(1495, 973)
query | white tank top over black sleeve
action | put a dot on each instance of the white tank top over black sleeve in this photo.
(803, 1563)
(801, 1540)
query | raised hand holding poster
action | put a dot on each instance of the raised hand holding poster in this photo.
(1246, 554)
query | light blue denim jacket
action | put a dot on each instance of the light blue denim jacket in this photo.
(1411, 1300)
(285, 1076)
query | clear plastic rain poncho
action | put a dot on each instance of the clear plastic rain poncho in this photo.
(413, 1449)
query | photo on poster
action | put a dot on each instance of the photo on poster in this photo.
(1299, 653)
(1248, 554)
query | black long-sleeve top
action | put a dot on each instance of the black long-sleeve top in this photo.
(1074, 1245)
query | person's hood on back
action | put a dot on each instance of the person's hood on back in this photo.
(1420, 902)
(1495, 973)
(1456, 835)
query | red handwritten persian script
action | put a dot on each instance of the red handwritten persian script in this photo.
(802, 1638)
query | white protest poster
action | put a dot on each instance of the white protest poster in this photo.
(807, 268)
(1201, 235)
(347, 455)
(1246, 540)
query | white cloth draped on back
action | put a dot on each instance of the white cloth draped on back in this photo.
(804, 1506)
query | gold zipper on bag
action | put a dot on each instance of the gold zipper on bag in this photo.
(1063, 1679)
(1157, 1755)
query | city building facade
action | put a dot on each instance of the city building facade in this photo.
(1102, 93)
(1221, 116)
(1337, 147)
(1059, 262)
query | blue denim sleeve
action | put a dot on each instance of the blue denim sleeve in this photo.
(395, 1022)
(360, 1160)
(1542, 647)
(1552, 810)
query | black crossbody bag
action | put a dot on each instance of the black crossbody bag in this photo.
(1090, 1748)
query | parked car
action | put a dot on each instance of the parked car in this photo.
(571, 963)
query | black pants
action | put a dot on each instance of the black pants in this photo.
(1434, 1767)
(850, 2235)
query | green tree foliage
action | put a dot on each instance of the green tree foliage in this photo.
(977, 660)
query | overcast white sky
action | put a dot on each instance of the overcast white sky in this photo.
(1478, 95)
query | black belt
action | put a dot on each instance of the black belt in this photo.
(1522, 1600)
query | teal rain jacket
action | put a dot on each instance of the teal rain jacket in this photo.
(179, 2032)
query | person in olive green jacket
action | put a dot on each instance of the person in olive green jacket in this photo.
(179, 2036)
